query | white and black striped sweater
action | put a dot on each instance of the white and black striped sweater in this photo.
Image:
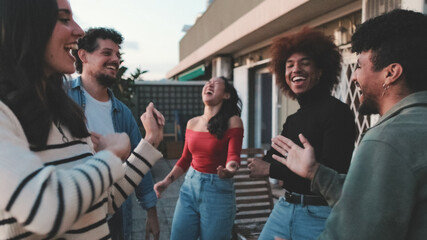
(63, 191)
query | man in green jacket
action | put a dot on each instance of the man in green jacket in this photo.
(384, 195)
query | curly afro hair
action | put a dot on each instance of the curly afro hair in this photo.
(313, 43)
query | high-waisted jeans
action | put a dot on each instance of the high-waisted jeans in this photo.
(295, 221)
(206, 208)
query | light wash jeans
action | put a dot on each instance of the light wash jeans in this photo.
(295, 221)
(206, 208)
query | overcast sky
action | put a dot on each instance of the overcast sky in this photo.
(151, 28)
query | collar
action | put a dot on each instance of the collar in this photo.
(77, 84)
(312, 96)
(412, 100)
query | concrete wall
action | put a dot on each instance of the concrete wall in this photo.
(219, 15)
(255, 29)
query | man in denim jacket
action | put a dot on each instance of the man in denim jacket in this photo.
(384, 194)
(98, 60)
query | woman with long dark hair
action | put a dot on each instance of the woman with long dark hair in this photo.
(52, 183)
(206, 205)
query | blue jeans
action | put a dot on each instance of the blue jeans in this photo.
(206, 208)
(295, 221)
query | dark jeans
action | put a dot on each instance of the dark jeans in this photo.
(116, 225)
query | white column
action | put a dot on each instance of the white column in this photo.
(221, 66)
(276, 108)
(241, 83)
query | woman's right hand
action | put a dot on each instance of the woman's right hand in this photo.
(117, 143)
(160, 187)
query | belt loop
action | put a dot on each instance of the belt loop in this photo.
(212, 176)
(302, 200)
(192, 172)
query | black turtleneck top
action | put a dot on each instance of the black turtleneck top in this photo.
(329, 126)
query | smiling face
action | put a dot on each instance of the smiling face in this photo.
(103, 62)
(213, 92)
(58, 57)
(369, 83)
(301, 73)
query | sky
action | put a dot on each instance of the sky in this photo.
(151, 29)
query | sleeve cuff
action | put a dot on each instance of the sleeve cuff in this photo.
(322, 174)
(147, 154)
(149, 200)
(328, 183)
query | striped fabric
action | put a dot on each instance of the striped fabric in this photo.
(63, 190)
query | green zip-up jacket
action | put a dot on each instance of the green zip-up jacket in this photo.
(384, 195)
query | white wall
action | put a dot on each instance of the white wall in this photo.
(415, 5)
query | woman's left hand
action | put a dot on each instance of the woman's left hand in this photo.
(153, 122)
(229, 170)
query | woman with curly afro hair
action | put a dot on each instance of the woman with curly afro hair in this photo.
(307, 65)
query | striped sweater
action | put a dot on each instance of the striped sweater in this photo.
(64, 190)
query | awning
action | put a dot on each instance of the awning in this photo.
(193, 73)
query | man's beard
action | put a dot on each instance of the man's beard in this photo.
(368, 106)
(105, 80)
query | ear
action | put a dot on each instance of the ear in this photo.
(82, 55)
(393, 72)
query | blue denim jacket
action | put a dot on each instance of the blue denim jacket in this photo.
(123, 121)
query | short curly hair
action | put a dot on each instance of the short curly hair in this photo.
(399, 36)
(313, 43)
(89, 42)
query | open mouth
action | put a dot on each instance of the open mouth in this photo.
(114, 68)
(298, 79)
(71, 46)
(209, 92)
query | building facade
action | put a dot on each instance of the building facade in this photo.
(232, 39)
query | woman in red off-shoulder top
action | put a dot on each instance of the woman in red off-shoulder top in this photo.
(206, 205)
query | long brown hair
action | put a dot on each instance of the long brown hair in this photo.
(25, 29)
(218, 124)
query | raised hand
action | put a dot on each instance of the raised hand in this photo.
(229, 170)
(153, 122)
(300, 160)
